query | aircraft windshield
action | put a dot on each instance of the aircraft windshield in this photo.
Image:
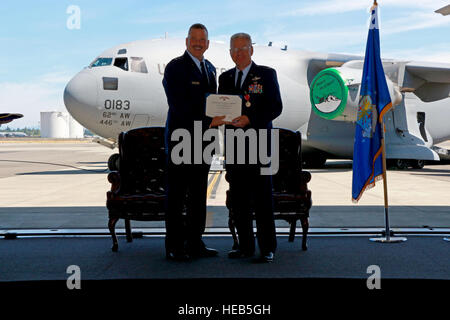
(138, 65)
(101, 62)
(121, 63)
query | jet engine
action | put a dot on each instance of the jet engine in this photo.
(334, 93)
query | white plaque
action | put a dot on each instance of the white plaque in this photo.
(223, 105)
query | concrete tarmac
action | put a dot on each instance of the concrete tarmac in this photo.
(51, 184)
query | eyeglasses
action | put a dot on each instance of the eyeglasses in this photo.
(236, 50)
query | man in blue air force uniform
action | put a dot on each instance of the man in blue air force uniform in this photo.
(187, 80)
(261, 103)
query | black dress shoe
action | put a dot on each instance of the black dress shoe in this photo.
(267, 257)
(177, 256)
(204, 253)
(236, 253)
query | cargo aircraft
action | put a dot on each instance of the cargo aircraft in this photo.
(122, 89)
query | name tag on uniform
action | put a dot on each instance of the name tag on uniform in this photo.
(196, 82)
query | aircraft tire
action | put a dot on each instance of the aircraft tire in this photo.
(418, 164)
(401, 164)
(114, 162)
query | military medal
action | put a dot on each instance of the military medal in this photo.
(247, 98)
(255, 88)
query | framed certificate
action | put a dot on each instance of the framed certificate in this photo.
(223, 105)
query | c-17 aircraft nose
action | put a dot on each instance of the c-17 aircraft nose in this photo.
(80, 96)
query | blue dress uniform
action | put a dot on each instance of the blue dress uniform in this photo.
(261, 103)
(186, 90)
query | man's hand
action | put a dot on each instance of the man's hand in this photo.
(240, 122)
(217, 121)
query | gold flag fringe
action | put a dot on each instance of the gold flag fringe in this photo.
(369, 184)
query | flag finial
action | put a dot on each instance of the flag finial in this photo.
(375, 4)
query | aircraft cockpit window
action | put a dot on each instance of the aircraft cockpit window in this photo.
(122, 63)
(101, 62)
(138, 65)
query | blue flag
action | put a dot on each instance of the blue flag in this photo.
(374, 102)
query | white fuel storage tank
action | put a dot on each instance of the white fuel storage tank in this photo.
(59, 124)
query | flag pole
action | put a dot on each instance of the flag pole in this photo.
(387, 238)
(373, 88)
(386, 203)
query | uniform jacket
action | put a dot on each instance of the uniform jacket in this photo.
(186, 93)
(262, 90)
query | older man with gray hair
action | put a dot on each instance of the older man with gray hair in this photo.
(249, 189)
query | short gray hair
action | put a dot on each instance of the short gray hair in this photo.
(241, 35)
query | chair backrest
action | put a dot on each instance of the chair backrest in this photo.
(142, 160)
(286, 180)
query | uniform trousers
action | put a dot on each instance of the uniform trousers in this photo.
(251, 190)
(186, 188)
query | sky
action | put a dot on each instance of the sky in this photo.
(42, 46)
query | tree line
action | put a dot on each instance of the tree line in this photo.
(28, 131)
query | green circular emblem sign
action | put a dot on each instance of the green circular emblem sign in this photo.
(328, 94)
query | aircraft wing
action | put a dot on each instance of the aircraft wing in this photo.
(431, 72)
(8, 117)
(427, 80)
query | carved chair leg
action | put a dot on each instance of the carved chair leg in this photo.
(128, 230)
(305, 227)
(233, 231)
(112, 229)
(292, 230)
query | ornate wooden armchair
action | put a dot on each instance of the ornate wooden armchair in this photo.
(291, 197)
(138, 188)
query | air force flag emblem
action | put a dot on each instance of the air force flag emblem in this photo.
(367, 116)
